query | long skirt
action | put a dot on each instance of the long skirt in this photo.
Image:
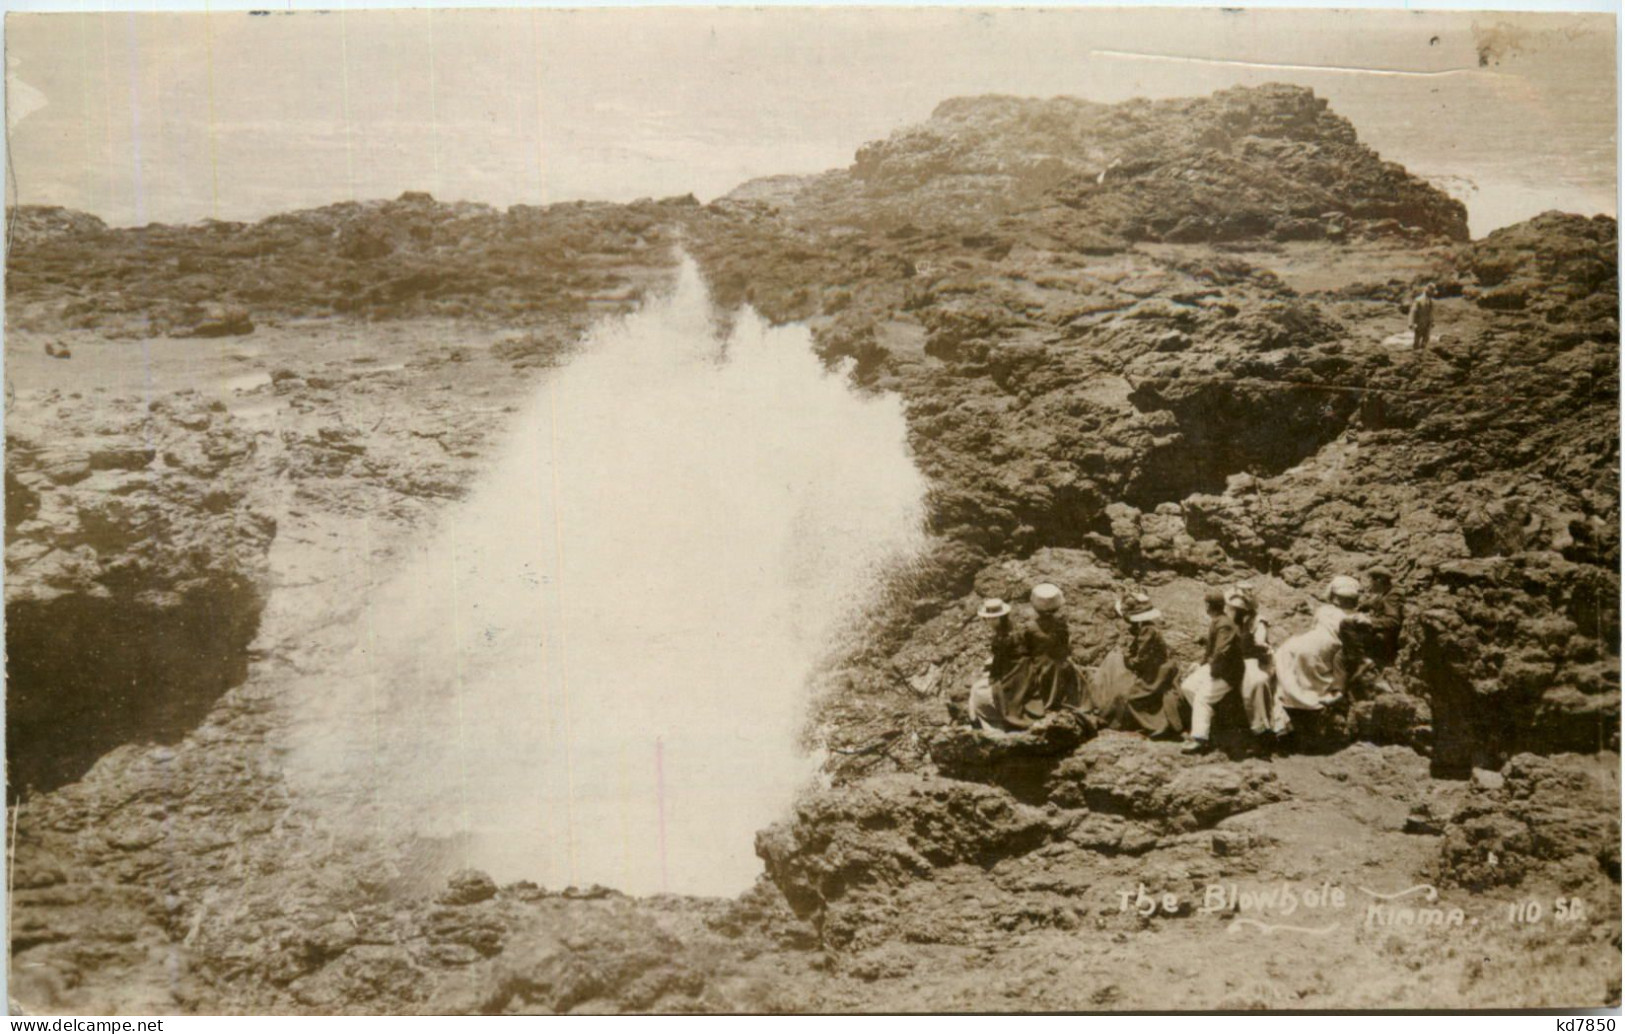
(1035, 687)
(984, 710)
(1123, 701)
(1309, 669)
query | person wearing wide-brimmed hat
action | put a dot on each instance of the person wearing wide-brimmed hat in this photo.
(1147, 651)
(1003, 653)
(1310, 671)
(1130, 691)
(1045, 678)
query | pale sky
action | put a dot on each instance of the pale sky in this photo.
(178, 117)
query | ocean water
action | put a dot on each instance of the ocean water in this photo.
(165, 117)
(598, 671)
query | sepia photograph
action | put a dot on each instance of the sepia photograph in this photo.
(811, 510)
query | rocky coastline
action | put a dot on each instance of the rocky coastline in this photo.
(1153, 344)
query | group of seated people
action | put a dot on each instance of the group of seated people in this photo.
(1137, 688)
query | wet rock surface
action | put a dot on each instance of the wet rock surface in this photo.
(1154, 345)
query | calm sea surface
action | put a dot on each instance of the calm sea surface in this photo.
(173, 118)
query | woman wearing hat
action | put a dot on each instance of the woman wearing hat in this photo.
(1266, 713)
(1130, 689)
(1004, 652)
(1045, 678)
(1309, 667)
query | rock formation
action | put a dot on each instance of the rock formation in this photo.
(1154, 344)
(135, 576)
(1187, 412)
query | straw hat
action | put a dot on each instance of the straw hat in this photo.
(1343, 587)
(1046, 598)
(1241, 597)
(993, 607)
(1137, 607)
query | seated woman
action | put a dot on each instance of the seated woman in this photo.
(1265, 713)
(1045, 678)
(1131, 690)
(1310, 670)
(1004, 652)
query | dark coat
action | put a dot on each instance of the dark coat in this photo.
(1045, 678)
(1422, 313)
(1006, 650)
(1225, 654)
(1133, 690)
(1148, 657)
(1387, 614)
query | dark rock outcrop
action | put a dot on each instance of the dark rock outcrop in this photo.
(412, 256)
(1178, 411)
(849, 845)
(1021, 762)
(1270, 161)
(1546, 819)
(29, 225)
(1124, 775)
(135, 568)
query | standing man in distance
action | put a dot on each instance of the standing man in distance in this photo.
(1422, 316)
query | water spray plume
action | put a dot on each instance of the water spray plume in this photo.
(598, 669)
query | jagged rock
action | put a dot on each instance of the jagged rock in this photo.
(1218, 168)
(468, 887)
(1172, 341)
(1018, 761)
(221, 321)
(1393, 718)
(1548, 818)
(1422, 821)
(37, 224)
(1498, 639)
(373, 258)
(131, 531)
(888, 832)
(1126, 775)
(475, 929)
(1551, 257)
(1506, 298)
(1300, 230)
(603, 958)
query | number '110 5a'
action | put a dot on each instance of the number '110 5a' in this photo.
(1564, 910)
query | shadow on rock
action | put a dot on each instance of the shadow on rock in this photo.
(1021, 762)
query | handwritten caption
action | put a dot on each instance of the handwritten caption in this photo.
(1310, 904)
